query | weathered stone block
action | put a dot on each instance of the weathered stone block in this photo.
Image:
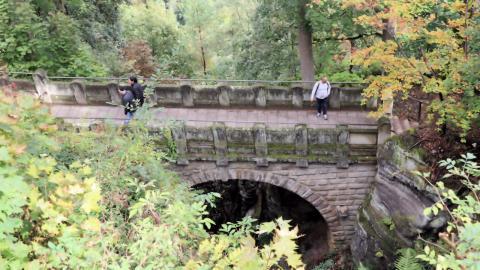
(363, 139)
(97, 94)
(243, 96)
(279, 96)
(168, 95)
(208, 96)
(350, 97)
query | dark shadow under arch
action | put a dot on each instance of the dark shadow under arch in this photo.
(327, 211)
(266, 202)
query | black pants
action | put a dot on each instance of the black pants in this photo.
(322, 105)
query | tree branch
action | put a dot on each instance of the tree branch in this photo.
(359, 36)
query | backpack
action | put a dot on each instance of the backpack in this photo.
(137, 91)
(127, 102)
(127, 98)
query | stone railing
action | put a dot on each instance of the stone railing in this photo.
(301, 144)
(187, 95)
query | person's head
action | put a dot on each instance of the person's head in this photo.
(132, 80)
(324, 79)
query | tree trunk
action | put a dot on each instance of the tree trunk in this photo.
(202, 51)
(388, 32)
(352, 49)
(305, 50)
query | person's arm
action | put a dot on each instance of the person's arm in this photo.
(328, 89)
(314, 89)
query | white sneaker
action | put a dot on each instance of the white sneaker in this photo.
(325, 117)
(318, 115)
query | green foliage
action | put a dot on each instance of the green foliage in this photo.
(48, 213)
(424, 46)
(103, 200)
(268, 50)
(221, 252)
(29, 42)
(325, 265)
(387, 221)
(345, 77)
(362, 267)
(154, 23)
(407, 260)
(458, 247)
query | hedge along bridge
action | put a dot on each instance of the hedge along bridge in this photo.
(259, 133)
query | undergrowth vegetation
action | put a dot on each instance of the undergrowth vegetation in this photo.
(104, 200)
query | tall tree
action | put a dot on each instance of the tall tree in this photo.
(156, 25)
(305, 46)
(428, 51)
(198, 19)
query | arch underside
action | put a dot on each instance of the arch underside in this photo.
(327, 211)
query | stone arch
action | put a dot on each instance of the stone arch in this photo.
(327, 211)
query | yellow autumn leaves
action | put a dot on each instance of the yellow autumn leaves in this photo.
(70, 192)
(225, 252)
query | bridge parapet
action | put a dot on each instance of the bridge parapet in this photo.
(296, 96)
(302, 145)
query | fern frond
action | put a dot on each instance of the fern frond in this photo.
(407, 260)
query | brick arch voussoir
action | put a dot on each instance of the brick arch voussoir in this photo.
(327, 211)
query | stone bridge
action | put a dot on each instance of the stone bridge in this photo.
(259, 133)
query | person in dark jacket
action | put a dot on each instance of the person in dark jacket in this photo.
(132, 98)
(137, 91)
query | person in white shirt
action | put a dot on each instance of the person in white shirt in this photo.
(321, 91)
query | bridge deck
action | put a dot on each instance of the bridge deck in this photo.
(205, 116)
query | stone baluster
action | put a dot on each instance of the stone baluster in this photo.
(187, 95)
(301, 145)
(334, 98)
(180, 138)
(260, 96)
(342, 152)
(223, 95)
(297, 95)
(79, 92)
(153, 96)
(40, 79)
(115, 97)
(261, 146)
(220, 142)
(384, 131)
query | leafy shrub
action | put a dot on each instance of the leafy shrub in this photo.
(345, 77)
(108, 203)
(325, 265)
(407, 260)
(48, 215)
(458, 246)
